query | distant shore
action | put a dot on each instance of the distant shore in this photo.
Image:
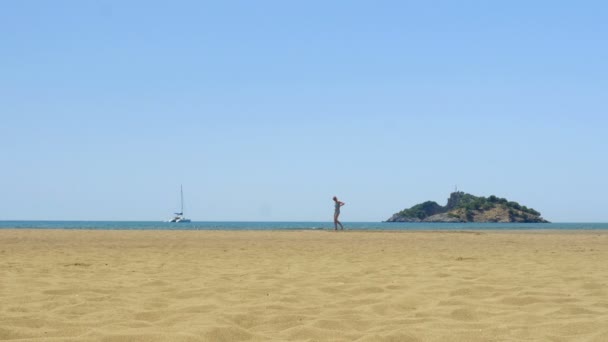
(91, 285)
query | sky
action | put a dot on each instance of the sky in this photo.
(264, 110)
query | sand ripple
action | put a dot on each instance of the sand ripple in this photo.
(303, 286)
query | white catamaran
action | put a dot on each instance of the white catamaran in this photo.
(179, 217)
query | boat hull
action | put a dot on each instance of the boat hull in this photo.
(180, 220)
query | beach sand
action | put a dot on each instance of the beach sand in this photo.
(73, 285)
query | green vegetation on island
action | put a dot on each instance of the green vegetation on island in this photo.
(463, 207)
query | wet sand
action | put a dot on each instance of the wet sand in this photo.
(73, 285)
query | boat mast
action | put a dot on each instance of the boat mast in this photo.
(181, 190)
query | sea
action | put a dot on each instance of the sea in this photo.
(358, 226)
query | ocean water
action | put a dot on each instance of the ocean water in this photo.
(154, 225)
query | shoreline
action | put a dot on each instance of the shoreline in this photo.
(278, 225)
(296, 230)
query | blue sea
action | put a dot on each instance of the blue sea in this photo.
(361, 226)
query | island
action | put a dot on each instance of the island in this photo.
(463, 207)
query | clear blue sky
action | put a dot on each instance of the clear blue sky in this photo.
(264, 110)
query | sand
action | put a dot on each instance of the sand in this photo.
(70, 285)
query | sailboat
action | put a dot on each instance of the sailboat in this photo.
(179, 217)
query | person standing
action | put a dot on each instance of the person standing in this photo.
(337, 204)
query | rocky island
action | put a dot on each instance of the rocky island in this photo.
(463, 207)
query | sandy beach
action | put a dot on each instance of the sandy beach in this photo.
(73, 285)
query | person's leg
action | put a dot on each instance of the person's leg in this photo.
(337, 222)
